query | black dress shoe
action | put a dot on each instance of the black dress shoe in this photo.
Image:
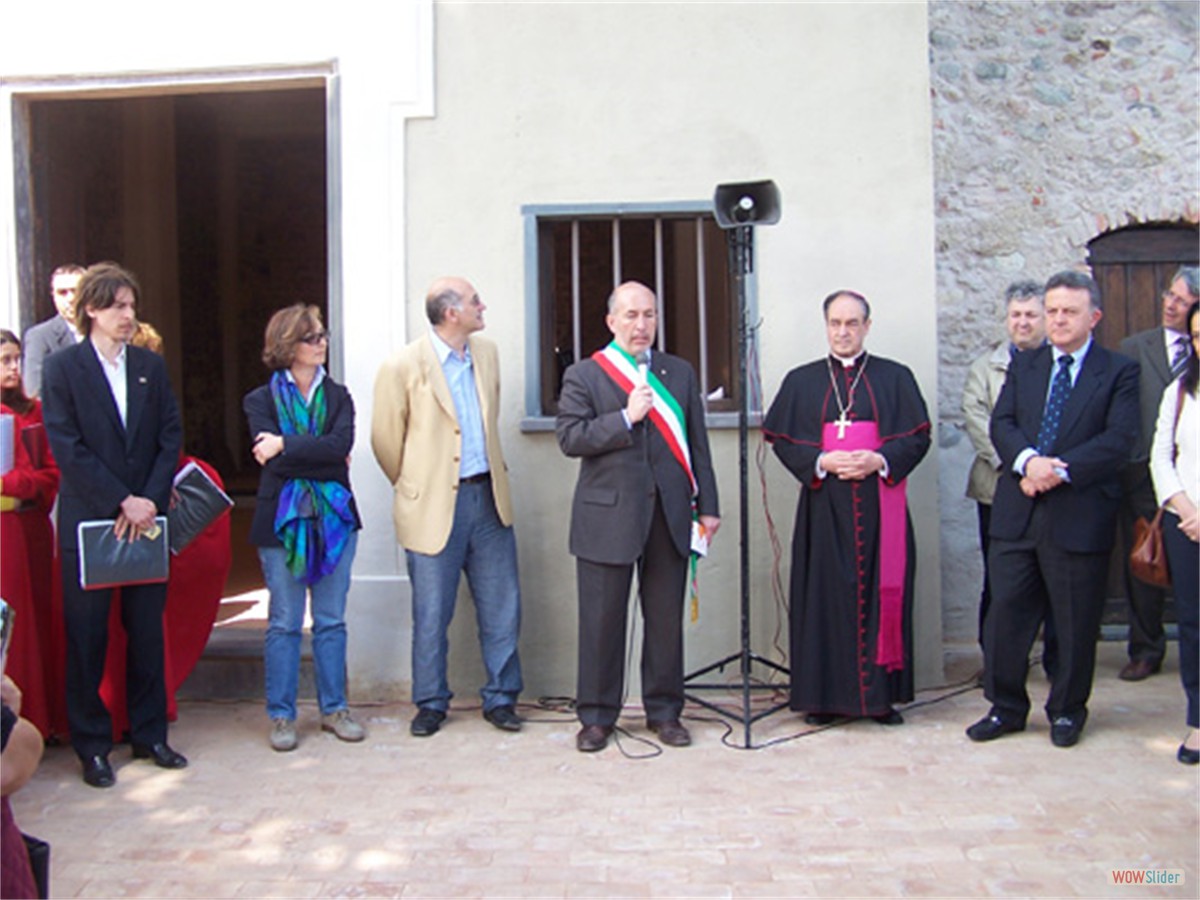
(671, 732)
(1139, 669)
(97, 772)
(427, 722)
(164, 757)
(1065, 730)
(592, 738)
(819, 719)
(1187, 755)
(891, 717)
(503, 717)
(991, 727)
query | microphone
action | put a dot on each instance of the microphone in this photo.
(643, 364)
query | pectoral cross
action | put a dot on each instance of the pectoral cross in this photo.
(842, 422)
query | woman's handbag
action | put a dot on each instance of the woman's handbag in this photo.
(1148, 558)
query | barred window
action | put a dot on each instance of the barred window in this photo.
(581, 254)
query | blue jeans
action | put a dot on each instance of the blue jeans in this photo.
(486, 550)
(285, 623)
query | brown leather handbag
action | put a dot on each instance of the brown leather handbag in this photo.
(1148, 558)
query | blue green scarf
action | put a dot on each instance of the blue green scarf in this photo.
(313, 520)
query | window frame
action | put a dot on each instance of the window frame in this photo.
(536, 418)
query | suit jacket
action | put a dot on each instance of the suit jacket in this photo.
(40, 341)
(1098, 429)
(1149, 348)
(418, 444)
(985, 379)
(320, 457)
(621, 468)
(103, 461)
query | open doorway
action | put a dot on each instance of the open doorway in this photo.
(218, 202)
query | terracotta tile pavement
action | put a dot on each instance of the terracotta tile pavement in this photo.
(852, 810)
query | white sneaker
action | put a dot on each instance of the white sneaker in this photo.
(283, 735)
(343, 725)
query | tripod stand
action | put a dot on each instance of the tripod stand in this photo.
(737, 207)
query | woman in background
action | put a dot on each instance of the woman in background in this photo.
(305, 520)
(28, 572)
(1175, 468)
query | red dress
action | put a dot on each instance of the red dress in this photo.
(194, 590)
(29, 575)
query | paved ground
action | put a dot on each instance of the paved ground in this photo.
(853, 810)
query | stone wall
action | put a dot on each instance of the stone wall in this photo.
(1052, 124)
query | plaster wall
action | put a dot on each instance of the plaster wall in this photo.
(642, 103)
(562, 103)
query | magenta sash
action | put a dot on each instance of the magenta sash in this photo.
(893, 540)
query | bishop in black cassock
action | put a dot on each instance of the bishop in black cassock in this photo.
(851, 654)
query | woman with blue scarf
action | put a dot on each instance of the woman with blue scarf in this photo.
(305, 521)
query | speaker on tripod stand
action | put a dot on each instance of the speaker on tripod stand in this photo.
(740, 207)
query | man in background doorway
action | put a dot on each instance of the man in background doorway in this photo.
(55, 333)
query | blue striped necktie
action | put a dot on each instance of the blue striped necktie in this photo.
(1179, 360)
(1059, 391)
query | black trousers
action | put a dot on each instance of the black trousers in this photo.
(1183, 557)
(1031, 577)
(985, 527)
(603, 617)
(86, 617)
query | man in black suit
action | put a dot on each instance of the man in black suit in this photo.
(1064, 425)
(645, 486)
(1162, 353)
(55, 333)
(115, 431)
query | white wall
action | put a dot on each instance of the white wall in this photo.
(582, 103)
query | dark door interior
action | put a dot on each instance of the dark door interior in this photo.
(217, 202)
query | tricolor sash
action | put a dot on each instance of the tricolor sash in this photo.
(666, 413)
(893, 540)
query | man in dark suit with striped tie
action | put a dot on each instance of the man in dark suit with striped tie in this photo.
(1162, 353)
(1064, 426)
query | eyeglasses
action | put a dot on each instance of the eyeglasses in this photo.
(314, 339)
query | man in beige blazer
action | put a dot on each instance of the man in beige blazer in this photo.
(1025, 322)
(435, 436)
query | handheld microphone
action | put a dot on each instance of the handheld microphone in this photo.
(643, 365)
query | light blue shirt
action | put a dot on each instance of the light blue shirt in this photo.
(1073, 370)
(460, 375)
(312, 388)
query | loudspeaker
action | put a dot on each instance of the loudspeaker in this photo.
(746, 203)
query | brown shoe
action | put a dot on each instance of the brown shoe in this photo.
(592, 738)
(672, 733)
(1139, 669)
